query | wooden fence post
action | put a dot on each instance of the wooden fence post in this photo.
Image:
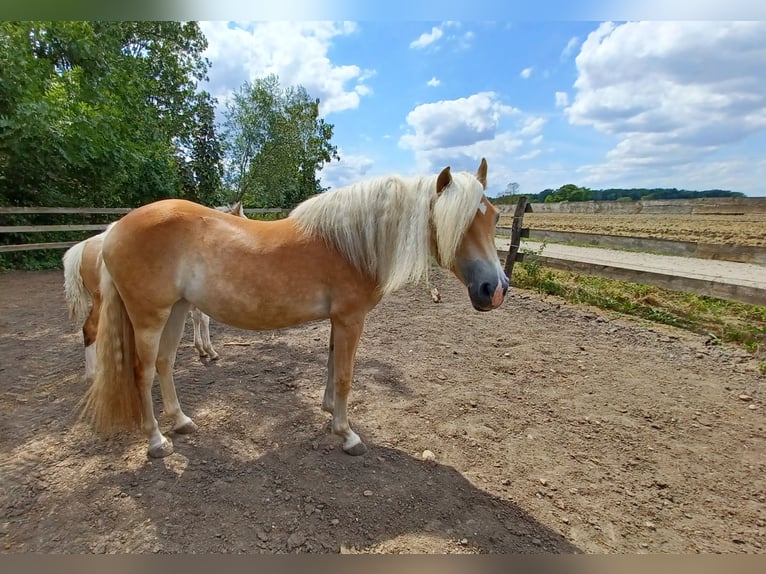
(516, 234)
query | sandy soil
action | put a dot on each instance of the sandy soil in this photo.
(727, 229)
(555, 428)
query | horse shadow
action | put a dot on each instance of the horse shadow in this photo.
(307, 497)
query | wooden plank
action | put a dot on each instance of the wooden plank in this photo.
(85, 210)
(716, 251)
(41, 228)
(266, 210)
(110, 210)
(36, 246)
(518, 216)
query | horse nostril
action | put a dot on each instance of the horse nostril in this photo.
(486, 290)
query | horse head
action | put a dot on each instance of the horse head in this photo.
(474, 261)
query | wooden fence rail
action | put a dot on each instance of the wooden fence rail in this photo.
(74, 227)
(717, 251)
(754, 295)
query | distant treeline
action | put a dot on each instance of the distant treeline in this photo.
(571, 192)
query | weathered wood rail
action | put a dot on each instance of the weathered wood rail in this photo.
(716, 251)
(56, 228)
(748, 294)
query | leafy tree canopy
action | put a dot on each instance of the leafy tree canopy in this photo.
(274, 144)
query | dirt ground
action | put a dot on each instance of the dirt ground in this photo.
(749, 229)
(555, 428)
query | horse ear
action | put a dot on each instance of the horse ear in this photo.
(481, 174)
(238, 209)
(444, 179)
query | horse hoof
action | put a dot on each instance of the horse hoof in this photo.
(214, 356)
(161, 450)
(186, 428)
(356, 450)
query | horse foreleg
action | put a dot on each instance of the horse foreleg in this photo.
(328, 401)
(345, 339)
(166, 358)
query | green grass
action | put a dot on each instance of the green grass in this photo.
(721, 320)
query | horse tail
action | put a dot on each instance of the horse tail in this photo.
(76, 295)
(113, 401)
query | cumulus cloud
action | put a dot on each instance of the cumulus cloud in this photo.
(453, 123)
(570, 48)
(295, 51)
(427, 38)
(670, 92)
(349, 169)
(532, 126)
(526, 73)
(448, 31)
(460, 132)
(562, 99)
(434, 82)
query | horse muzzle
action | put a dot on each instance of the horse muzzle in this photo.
(487, 284)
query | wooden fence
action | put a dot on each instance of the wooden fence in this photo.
(516, 232)
(72, 227)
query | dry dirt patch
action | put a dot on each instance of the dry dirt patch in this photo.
(555, 429)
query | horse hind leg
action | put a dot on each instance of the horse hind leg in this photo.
(147, 341)
(345, 340)
(207, 345)
(166, 358)
(89, 332)
(196, 316)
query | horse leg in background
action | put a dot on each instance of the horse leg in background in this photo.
(166, 358)
(202, 334)
(328, 402)
(197, 324)
(89, 332)
(345, 340)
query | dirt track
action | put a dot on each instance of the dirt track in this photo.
(555, 429)
(747, 229)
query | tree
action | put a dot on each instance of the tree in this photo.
(206, 161)
(569, 192)
(512, 188)
(96, 113)
(274, 144)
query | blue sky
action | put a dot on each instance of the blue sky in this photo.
(602, 104)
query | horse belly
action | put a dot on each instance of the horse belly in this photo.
(266, 310)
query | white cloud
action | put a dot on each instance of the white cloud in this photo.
(296, 51)
(427, 38)
(531, 155)
(442, 34)
(570, 48)
(532, 126)
(350, 169)
(526, 73)
(672, 93)
(460, 132)
(562, 99)
(455, 123)
(434, 82)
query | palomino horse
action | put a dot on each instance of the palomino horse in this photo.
(82, 272)
(335, 256)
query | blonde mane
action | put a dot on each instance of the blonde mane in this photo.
(383, 226)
